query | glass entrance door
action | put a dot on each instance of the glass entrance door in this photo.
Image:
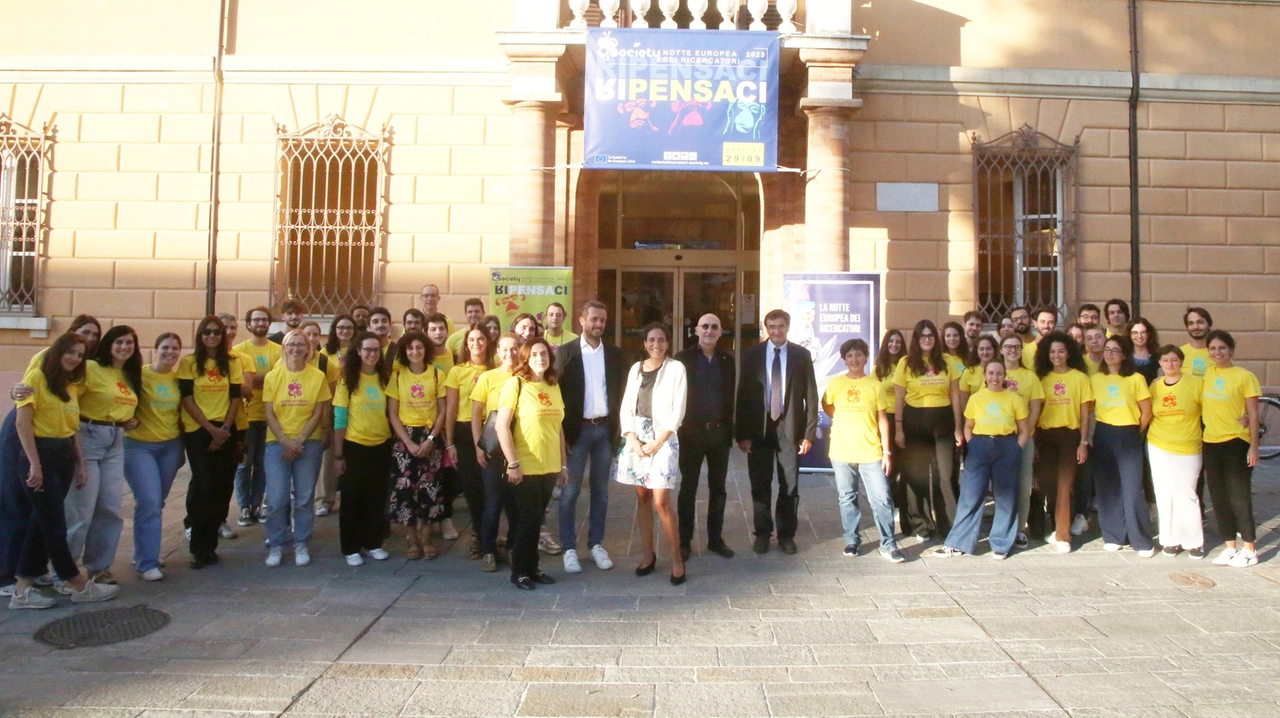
(677, 298)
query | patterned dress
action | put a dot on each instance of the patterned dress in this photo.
(416, 491)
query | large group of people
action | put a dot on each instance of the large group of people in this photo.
(1048, 423)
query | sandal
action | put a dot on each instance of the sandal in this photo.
(429, 552)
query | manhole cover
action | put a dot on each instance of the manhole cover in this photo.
(98, 628)
(1192, 580)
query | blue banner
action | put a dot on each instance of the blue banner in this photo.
(681, 100)
(826, 311)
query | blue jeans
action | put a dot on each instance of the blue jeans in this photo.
(251, 474)
(94, 523)
(149, 467)
(297, 478)
(497, 498)
(995, 462)
(15, 510)
(1123, 513)
(872, 477)
(595, 443)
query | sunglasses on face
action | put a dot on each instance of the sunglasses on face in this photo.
(709, 327)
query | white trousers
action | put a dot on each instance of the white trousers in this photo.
(1174, 478)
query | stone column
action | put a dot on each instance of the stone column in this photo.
(829, 105)
(533, 183)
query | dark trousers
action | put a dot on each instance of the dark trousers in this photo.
(1123, 513)
(698, 442)
(764, 459)
(213, 475)
(469, 479)
(362, 523)
(448, 491)
(531, 497)
(926, 469)
(15, 510)
(1230, 481)
(45, 539)
(995, 463)
(1082, 491)
(1055, 476)
(497, 498)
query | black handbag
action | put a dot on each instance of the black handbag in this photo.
(489, 443)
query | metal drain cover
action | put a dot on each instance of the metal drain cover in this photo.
(1192, 580)
(98, 628)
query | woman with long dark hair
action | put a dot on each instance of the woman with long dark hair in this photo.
(209, 382)
(153, 453)
(1231, 448)
(535, 453)
(342, 332)
(1146, 348)
(416, 405)
(985, 349)
(108, 400)
(927, 417)
(1062, 434)
(954, 345)
(1122, 404)
(475, 359)
(362, 449)
(893, 347)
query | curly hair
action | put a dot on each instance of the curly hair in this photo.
(1075, 359)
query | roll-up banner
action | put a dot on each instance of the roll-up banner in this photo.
(681, 100)
(826, 311)
(519, 290)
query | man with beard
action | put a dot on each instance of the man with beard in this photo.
(437, 330)
(556, 334)
(380, 325)
(292, 311)
(1196, 351)
(251, 476)
(973, 322)
(474, 309)
(1046, 323)
(360, 316)
(1021, 317)
(1089, 314)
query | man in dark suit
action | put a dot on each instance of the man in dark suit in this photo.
(777, 421)
(706, 433)
(591, 383)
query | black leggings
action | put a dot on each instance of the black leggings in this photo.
(1230, 480)
(531, 496)
(926, 469)
(362, 523)
(471, 483)
(45, 538)
(213, 478)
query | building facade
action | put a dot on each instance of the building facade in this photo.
(164, 157)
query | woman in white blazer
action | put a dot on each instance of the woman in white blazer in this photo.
(652, 409)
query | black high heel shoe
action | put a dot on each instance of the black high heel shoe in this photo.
(677, 580)
(646, 570)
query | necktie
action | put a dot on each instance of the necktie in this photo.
(775, 385)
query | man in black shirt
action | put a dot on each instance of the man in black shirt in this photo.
(707, 432)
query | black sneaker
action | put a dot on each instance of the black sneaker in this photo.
(246, 517)
(1171, 551)
(720, 549)
(893, 556)
(1196, 553)
(761, 544)
(1021, 540)
(851, 550)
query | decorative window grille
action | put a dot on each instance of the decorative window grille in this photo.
(23, 166)
(1024, 221)
(329, 216)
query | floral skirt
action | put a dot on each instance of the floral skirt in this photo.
(416, 490)
(660, 471)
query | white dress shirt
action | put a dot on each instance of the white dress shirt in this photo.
(768, 372)
(595, 397)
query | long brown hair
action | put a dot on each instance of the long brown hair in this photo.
(490, 345)
(55, 377)
(132, 369)
(221, 357)
(522, 368)
(917, 362)
(353, 365)
(887, 361)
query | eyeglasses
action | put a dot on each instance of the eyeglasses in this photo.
(928, 336)
(1015, 347)
(370, 350)
(709, 327)
(211, 333)
(1112, 350)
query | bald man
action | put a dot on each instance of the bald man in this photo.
(430, 303)
(707, 432)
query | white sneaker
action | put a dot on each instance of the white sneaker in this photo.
(7, 591)
(378, 554)
(273, 558)
(226, 532)
(601, 557)
(323, 510)
(447, 530)
(151, 574)
(301, 556)
(571, 564)
(1244, 559)
(997, 556)
(94, 592)
(1079, 525)
(1224, 558)
(1064, 546)
(30, 598)
(1112, 546)
(1147, 553)
(548, 545)
(355, 559)
(47, 579)
(188, 534)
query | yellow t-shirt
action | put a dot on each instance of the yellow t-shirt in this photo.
(106, 395)
(443, 361)
(538, 414)
(956, 362)
(1091, 364)
(293, 396)
(1115, 398)
(1195, 361)
(565, 337)
(53, 418)
(212, 392)
(1222, 402)
(855, 425)
(489, 387)
(332, 371)
(1025, 384)
(972, 379)
(417, 394)
(995, 413)
(367, 423)
(463, 377)
(1063, 395)
(1175, 422)
(887, 385)
(246, 366)
(1029, 355)
(930, 390)
(262, 359)
(456, 342)
(39, 357)
(158, 411)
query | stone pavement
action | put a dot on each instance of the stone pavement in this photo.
(1042, 634)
